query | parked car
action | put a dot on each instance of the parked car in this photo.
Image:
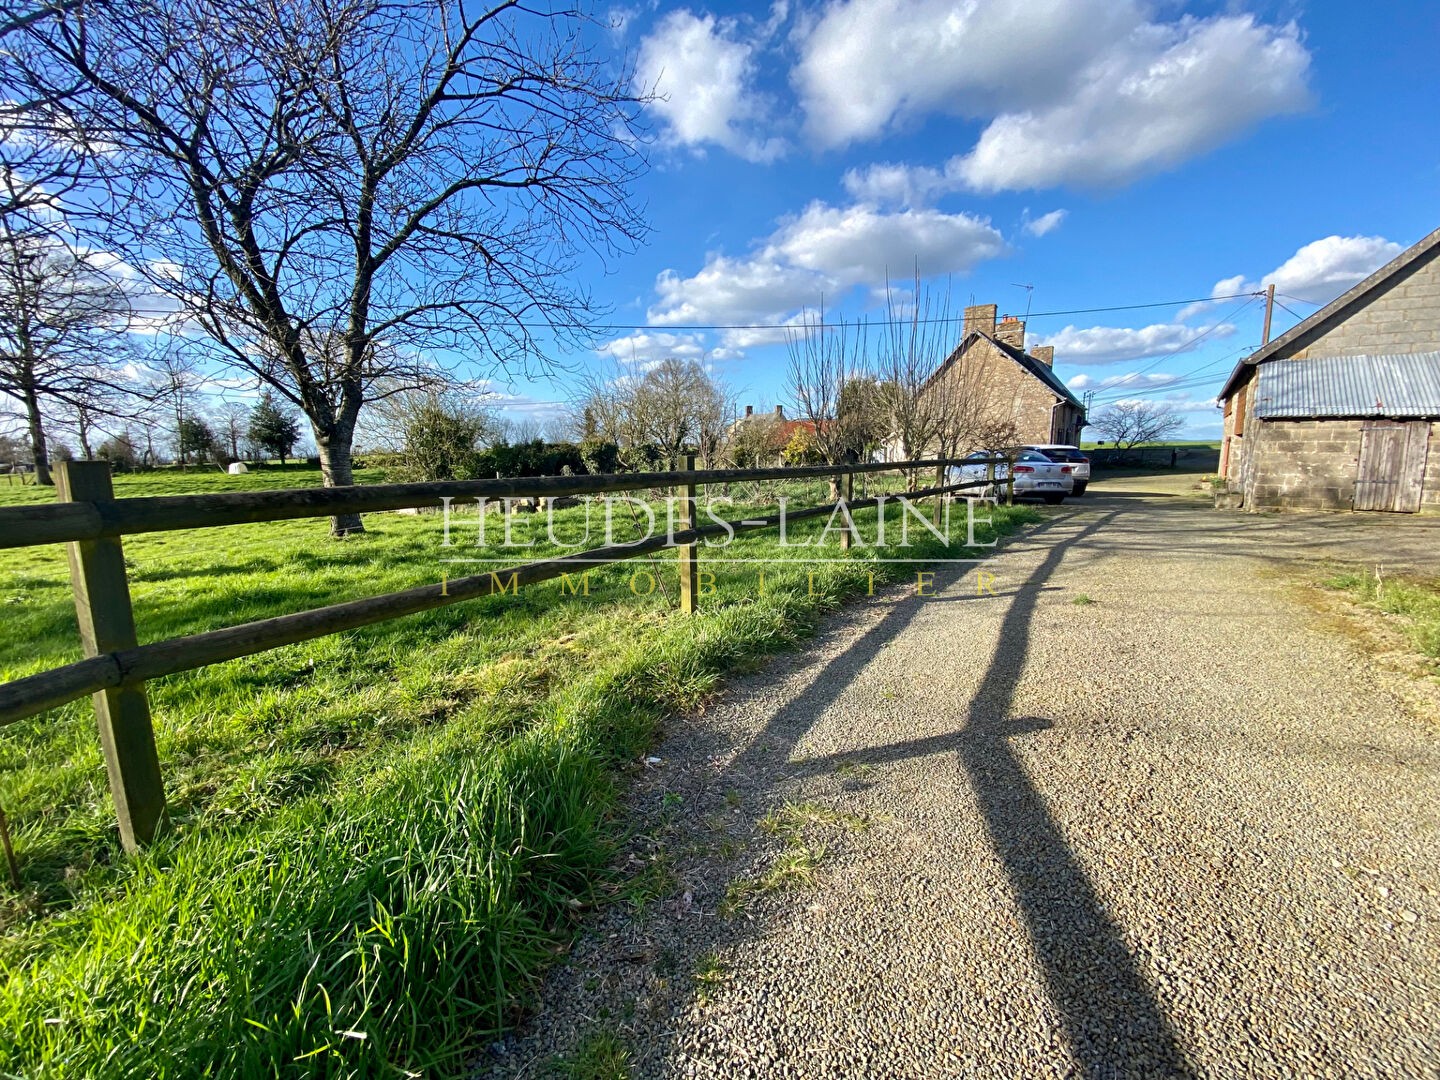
(1036, 476)
(1068, 455)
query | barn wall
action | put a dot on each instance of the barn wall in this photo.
(1311, 465)
(1404, 317)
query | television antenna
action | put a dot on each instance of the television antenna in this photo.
(1029, 292)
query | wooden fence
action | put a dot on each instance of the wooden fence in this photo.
(91, 522)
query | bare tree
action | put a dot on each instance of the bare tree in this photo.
(823, 360)
(673, 404)
(332, 189)
(656, 417)
(60, 317)
(1129, 423)
(914, 342)
(231, 423)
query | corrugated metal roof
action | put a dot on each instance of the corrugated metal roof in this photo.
(1395, 386)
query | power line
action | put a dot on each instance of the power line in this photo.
(1187, 346)
(692, 327)
(1185, 380)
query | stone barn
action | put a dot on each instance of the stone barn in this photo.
(1342, 412)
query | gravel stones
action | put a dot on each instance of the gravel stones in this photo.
(1181, 830)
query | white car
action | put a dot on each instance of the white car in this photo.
(1036, 476)
(1073, 456)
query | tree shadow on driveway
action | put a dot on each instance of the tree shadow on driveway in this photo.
(1113, 1022)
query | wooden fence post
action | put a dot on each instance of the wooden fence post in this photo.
(689, 569)
(107, 623)
(847, 492)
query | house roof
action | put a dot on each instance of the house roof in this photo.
(1041, 371)
(1342, 306)
(1393, 386)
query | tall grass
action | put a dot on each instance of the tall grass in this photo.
(1414, 602)
(379, 838)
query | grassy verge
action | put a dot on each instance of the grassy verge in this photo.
(1413, 603)
(380, 838)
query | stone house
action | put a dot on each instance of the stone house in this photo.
(1006, 388)
(1340, 412)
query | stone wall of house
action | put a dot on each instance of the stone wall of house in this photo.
(1010, 392)
(1403, 318)
(1311, 465)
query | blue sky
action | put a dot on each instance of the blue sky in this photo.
(1107, 153)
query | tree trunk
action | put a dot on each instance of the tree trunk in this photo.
(83, 425)
(335, 465)
(37, 439)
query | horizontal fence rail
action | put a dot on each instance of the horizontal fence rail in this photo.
(25, 526)
(116, 667)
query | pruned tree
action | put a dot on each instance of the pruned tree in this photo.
(913, 343)
(335, 189)
(673, 404)
(61, 317)
(1128, 424)
(823, 360)
(861, 416)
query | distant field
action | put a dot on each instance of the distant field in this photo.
(380, 837)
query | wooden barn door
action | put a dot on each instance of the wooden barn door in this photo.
(1392, 465)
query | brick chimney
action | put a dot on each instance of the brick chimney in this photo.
(979, 317)
(1045, 354)
(779, 412)
(1011, 331)
(749, 411)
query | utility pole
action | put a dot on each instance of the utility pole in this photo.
(1269, 309)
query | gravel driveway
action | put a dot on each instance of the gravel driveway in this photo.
(1182, 829)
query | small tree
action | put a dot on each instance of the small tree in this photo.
(753, 441)
(442, 440)
(599, 456)
(1128, 424)
(273, 429)
(194, 437)
(803, 449)
(120, 450)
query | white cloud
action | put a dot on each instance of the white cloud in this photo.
(1085, 92)
(866, 65)
(703, 75)
(1180, 403)
(892, 184)
(1130, 379)
(822, 252)
(1321, 270)
(646, 347)
(1045, 223)
(1164, 94)
(1111, 344)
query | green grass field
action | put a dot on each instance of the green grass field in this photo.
(379, 838)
